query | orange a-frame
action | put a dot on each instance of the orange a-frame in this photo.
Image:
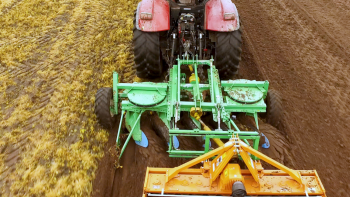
(216, 177)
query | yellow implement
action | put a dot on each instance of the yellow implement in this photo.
(218, 177)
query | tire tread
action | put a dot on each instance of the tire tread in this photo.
(102, 108)
(147, 56)
(228, 53)
(274, 110)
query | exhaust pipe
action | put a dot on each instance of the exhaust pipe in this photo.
(200, 45)
(172, 49)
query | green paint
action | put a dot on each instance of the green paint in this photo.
(171, 98)
(132, 123)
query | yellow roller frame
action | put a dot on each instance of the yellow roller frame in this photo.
(216, 177)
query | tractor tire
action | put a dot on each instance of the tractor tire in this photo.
(274, 109)
(103, 103)
(147, 55)
(228, 49)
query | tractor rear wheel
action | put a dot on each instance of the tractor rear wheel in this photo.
(228, 49)
(147, 55)
(274, 109)
(103, 103)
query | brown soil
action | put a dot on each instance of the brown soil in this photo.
(56, 54)
(302, 49)
(128, 179)
(306, 59)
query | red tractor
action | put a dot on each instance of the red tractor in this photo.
(167, 29)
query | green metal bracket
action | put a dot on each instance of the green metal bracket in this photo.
(119, 128)
(136, 123)
(132, 123)
(196, 87)
(163, 117)
(115, 93)
(243, 135)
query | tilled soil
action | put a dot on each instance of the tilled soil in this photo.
(51, 64)
(306, 59)
(304, 52)
(125, 178)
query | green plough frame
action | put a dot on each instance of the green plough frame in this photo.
(220, 105)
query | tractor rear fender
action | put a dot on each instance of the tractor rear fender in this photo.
(221, 15)
(153, 16)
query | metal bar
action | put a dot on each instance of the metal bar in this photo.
(197, 83)
(293, 173)
(162, 107)
(234, 125)
(120, 125)
(171, 94)
(218, 98)
(173, 195)
(129, 136)
(123, 95)
(218, 136)
(143, 86)
(178, 82)
(203, 132)
(183, 156)
(188, 61)
(207, 144)
(189, 87)
(256, 120)
(238, 83)
(115, 92)
(256, 147)
(187, 152)
(214, 173)
(174, 171)
(236, 107)
(170, 146)
(212, 94)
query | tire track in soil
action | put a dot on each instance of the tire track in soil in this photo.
(310, 71)
(338, 10)
(6, 9)
(66, 61)
(24, 74)
(319, 27)
(69, 61)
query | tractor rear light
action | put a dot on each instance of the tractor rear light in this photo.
(146, 16)
(229, 16)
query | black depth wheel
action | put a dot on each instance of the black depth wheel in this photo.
(103, 103)
(274, 109)
(228, 49)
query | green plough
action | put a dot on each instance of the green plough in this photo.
(184, 93)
